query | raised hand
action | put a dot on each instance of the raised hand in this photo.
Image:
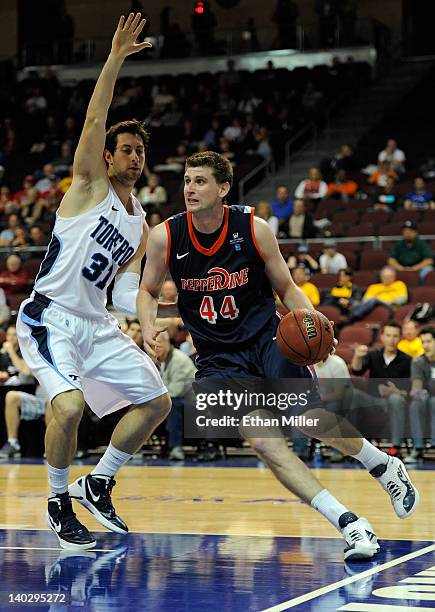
(124, 42)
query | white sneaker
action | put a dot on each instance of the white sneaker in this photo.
(415, 456)
(361, 540)
(394, 479)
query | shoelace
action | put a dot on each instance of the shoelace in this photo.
(394, 489)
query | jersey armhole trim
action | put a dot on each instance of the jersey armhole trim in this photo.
(168, 246)
(254, 239)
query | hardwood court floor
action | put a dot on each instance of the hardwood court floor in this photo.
(227, 501)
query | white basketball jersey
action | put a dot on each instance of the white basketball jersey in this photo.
(85, 253)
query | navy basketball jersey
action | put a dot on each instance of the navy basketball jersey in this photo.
(224, 295)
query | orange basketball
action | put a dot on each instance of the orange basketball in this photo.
(305, 336)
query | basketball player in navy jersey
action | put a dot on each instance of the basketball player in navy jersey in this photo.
(226, 263)
(71, 343)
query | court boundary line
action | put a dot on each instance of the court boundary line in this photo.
(291, 603)
(58, 549)
(222, 534)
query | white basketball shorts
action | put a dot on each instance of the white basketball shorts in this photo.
(66, 352)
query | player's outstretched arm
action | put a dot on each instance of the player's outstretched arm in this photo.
(89, 169)
(152, 280)
(276, 268)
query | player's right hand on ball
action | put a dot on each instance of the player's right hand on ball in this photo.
(361, 350)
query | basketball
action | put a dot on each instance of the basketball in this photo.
(305, 336)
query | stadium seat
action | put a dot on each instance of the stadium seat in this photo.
(345, 352)
(356, 334)
(377, 315)
(31, 266)
(347, 217)
(377, 217)
(400, 216)
(426, 228)
(364, 278)
(429, 279)
(364, 229)
(14, 301)
(331, 312)
(403, 312)
(351, 256)
(423, 294)
(411, 279)
(392, 229)
(324, 281)
(372, 260)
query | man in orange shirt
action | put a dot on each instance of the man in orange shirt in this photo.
(342, 187)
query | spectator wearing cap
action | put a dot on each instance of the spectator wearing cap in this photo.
(420, 198)
(345, 293)
(331, 261)
(300, 223)
(300, 276)
(263, 210)
(282, 205)
(389, 292)
(412, 253)
(303, 258)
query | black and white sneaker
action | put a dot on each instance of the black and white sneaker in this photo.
(361, 540)
(93, 492)
(394, 479)
(61, 519)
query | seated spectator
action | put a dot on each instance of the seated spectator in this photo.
(225, 150)
(44, 183)
(422, 395)
(154, 218)
(173, 116)
(300, 276)
(389, 292)
(153, 192)
(411, 342)
(174, 163)
(342, 187)
(177, 371)
(263, 143)
(344, 159)
(263, 210)
(213, 134)
(37, 237)
(390, 364)
(303, 258)
(428, 169)
(21, 239)
(168, 293)
(345, 293)
(13, 369)
(387, 198)
(282, 206)
(313, 188)
(380, 176)
(134, 331)
(8, 234)
(13, 280)
(394, 156)
(412, 253)
(6, 200)
(65, 182)
(233, 132)
(301, 224)
(20, 406)
(5, 312)
(419, 199)
(331, 261)
(36, 102)
(63, 161)
(28, 195)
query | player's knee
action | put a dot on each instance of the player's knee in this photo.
(161, 406)
(12, 398)
(67, 408)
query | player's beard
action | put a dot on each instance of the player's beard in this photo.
(128, 177)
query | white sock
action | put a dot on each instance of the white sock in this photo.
(329, 507)
(112, 460)
(14, 442)
(58, 479)
(370, 456)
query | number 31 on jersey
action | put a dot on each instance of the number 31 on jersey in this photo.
(228, 309)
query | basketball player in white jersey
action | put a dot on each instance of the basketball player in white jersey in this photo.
(68, 339)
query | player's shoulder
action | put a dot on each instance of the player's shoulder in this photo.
(177, 218)
(240, 209)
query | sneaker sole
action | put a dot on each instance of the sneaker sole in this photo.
(75, 491)
(361, 553)
(69, 545)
